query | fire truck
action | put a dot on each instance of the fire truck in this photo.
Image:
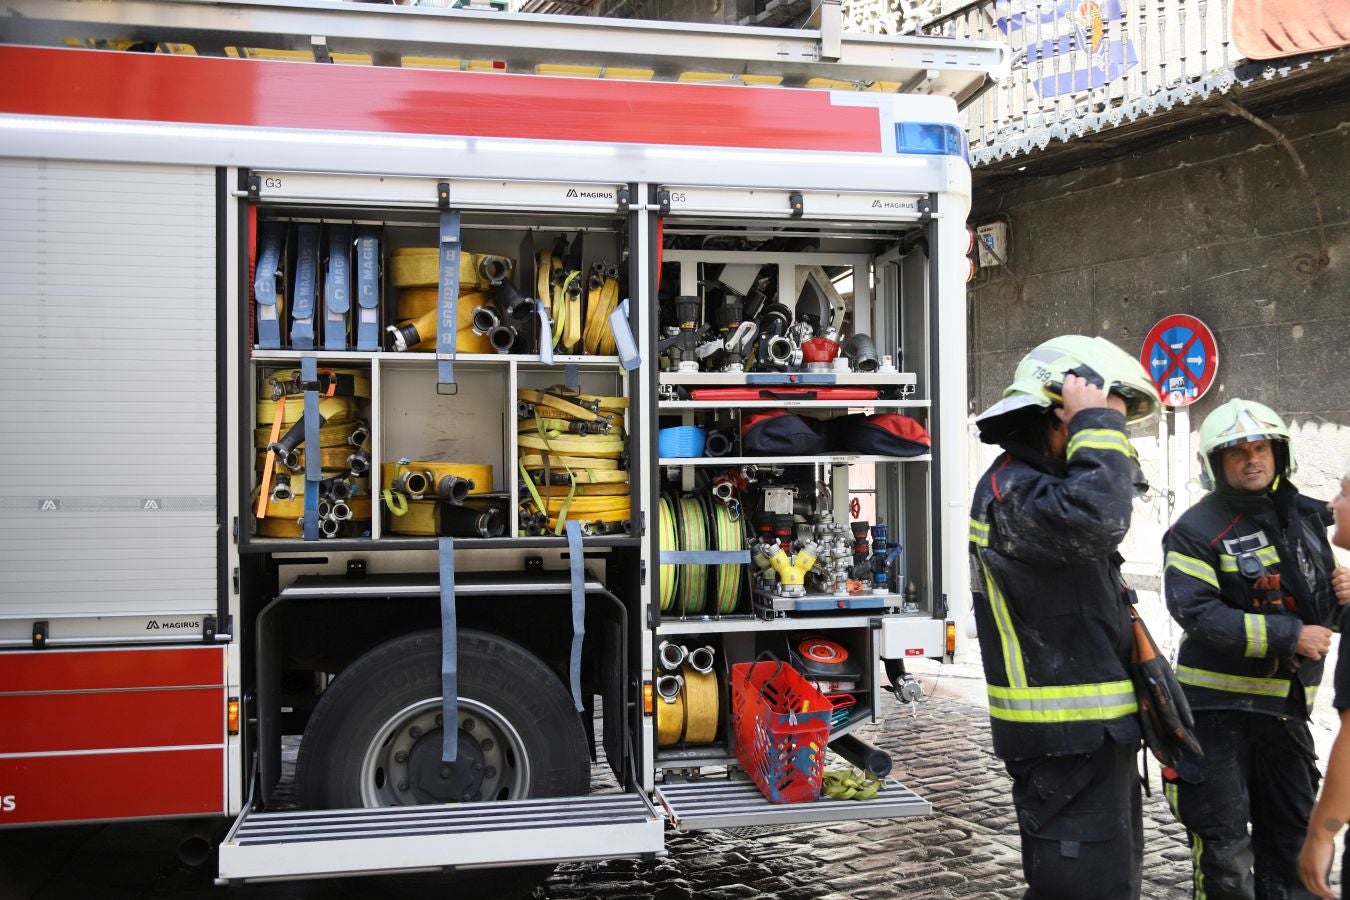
(371, 368)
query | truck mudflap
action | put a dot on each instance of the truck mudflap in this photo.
(709, 803)
(264, 846)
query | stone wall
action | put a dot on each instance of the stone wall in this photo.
(1219, 225)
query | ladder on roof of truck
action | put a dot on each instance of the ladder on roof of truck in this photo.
(823, 57)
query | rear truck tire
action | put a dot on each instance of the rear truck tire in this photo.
(374, 738)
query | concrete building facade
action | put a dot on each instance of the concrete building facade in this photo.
(1218, 220)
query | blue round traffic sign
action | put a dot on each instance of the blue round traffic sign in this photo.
(1181, 357)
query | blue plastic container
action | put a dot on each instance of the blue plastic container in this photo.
(682, 441)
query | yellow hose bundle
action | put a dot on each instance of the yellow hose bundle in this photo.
(421, 266)
(670, 574)
(332, 459)
(338, 435)
(336, 410)
(669, 720)
(700, 705)
(693, 589)
(479, 473)
(600, 446)
(602, 300)
(419, 307)
(295, 507)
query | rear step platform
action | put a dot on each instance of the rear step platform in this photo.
(736, 803)
(332, 842)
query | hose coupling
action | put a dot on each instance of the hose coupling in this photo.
(701, 660)
(672, 656)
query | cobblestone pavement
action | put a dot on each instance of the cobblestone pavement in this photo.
(968, 847)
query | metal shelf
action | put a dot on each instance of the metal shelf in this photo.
(676, 405)
(790, 379)
(750, 623)
(429, 359)
(831, 459)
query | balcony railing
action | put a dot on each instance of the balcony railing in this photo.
(1079, 66)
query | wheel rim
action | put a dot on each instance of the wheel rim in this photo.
(402, 763)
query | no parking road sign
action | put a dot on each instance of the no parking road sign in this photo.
(1181, 358)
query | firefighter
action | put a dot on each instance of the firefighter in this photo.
(1053, 616)
(1333, 806)
(1247, 574)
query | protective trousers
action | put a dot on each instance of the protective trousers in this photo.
(1257, 768)
(1081, 820)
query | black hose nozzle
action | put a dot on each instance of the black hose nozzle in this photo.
(290, 442)
(453, 489)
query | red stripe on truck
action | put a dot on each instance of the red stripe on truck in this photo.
(90, 670)
(204, 90)
(111, 786)
(41, 723)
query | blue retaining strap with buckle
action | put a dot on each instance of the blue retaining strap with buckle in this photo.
(577, 562)
(624, 344)
(309, 376)
(306, 285)
(337, 287)
(545, 333)
(449, 655)
(448, 327)
(368, 290)
(703, 557)
(265, 286)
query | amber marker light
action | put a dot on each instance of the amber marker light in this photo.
(232, 716)
(647, 698)
(951, 638)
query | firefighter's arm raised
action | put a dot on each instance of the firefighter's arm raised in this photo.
(1191, 587)
(1085, 514)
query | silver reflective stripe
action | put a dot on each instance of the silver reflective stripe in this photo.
(1063, 703)
(1268, 555)
(1189, 565)
(1100, 439)
(1238, 684)
(1257, 642)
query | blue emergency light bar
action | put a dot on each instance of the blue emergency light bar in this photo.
(931, 139)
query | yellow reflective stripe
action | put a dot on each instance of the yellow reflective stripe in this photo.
(1255, 626)
(1189, 565)
(979, 533)
(1268, 555)
(1100, 439)
(1063, 703)
(1197, 843)
(1238, 684)
(1012, 647)
(1310, 693)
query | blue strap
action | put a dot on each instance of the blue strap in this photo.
(368, 290)
(572, 376)
(545, 334)
(577, 562)
(703, 557)
(337, 287)
(309, 376)
(448, 327)
(306, 285)
(449, 655)
(265, 286)
(624, 343)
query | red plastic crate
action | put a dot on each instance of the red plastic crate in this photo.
(782, 726)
